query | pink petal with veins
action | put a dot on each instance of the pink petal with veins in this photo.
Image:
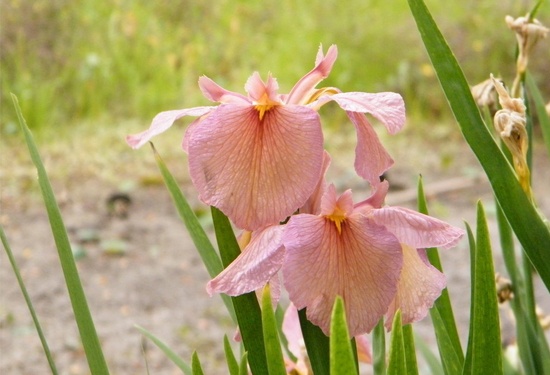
(258, 172)
(162, 122)
(258, 263)
(416, 229)
(371, 158)
(214, 92)
(387, 107)
(419, 286)
(362, 265)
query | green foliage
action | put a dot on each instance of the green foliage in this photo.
(529, 228)
(484, 354)
(28, 301)
(232, 364)
(342, 359)
(317, 345)
(178, 361)
(273, 351)
(397, 362)
(379, 349)
(88, 335)
(134, 58)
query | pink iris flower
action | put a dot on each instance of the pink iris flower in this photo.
(368, 254)
(258, 157)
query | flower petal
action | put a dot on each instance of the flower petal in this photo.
(257, 89)
(300, 93)
(214, 92)
(162, 122)
(419, 286)
(377, 198)
(387, 107)
(313, 204)
(257, 264)
(416, 229)
(293, 332)
(371, 158)
(362, 264)
(258, 172)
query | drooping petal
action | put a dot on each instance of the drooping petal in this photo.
(371, 158)
(258, 172)
(214, 92)
(387, 107)
(162, 122)
(300, 93)
(313, 204)
(362, 265)
(258, 263)
(377, 198)
(419, 286)
(416, 229)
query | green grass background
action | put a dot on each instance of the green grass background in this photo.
(71, 61)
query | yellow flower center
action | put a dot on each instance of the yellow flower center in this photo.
(338, 216)
(264, 105)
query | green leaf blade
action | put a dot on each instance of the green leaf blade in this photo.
(342, 359)
(79, 303)
(273, 351)
(397, 364)
(522, 216)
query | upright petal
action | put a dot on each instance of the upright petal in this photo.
(162, 122)
(371, 158)
(419, 286)
(362, 265)
(214, 92)
(258, 172)
(416, 229)
(259, 261)
(300, 93)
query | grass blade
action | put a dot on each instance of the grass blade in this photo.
(178, 361)
(396, 363)
(444, 323)
(273, 351)
(379, 349)
(484, 344)
(431, 359)
(522, 216)
(342, 359)
(232, 364)
(317, 345)
(84, 321)
(247, 309)
(196, 364)
(21, 283)
(202, 243)
(410, 350)
(544, 120)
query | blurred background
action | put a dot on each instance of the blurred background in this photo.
(89, 72)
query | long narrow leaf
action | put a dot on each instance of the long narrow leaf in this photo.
(342, 360)
(232, 364)
(202, 243)
(379, 349)
(247, 309)
(484, 344)
(84, 321)
(178, 361)
(273, 351)
(196, 364)
(522, 216)
(544, 119)
(445, 328)
(317, 345)
(410, 350)
(28, 300)
(396, 363)
(429, 356)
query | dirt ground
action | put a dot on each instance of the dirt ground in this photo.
(142, 269)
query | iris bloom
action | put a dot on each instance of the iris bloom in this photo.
(258, 157)
(369, 255)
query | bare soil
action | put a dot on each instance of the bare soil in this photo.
(142, 269)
